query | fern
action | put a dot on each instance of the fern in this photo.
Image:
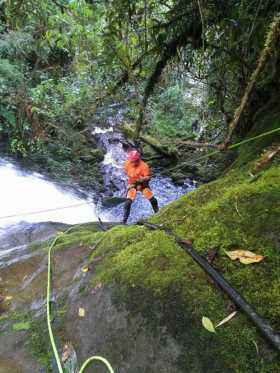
(9, 73)
(16, 44)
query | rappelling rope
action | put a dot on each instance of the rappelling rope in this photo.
(47, 210)
(49, 322)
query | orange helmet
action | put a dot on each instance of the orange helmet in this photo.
(134, 155)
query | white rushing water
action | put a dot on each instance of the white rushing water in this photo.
(29, 194)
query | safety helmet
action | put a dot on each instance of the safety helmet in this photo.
(134, 155)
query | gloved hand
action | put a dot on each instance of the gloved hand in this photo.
(143, 182)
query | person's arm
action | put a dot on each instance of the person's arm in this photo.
(130, 186)
(146, 174)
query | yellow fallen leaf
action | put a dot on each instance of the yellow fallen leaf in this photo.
(228, 318)
(256, 259)
(245, 256)
(85, 269)
(208, 325)
(8, 298)
(82, 312)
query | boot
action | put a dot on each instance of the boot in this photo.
(127, 207)
(154, 204)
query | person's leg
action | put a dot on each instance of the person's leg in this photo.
(131, 194)
(150, 196)
(127, 208)
(154, 204)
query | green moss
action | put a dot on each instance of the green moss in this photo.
(82, 238)
(38, 343)
(116, 239)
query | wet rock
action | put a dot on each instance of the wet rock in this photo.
(126, 340)
(14, 239)
(179, 178)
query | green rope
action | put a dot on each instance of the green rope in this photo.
(97, 358)
(49, 292)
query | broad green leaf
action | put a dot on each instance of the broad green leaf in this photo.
(208, 325)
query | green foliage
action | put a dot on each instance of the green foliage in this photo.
(63, 105)
(16, 44)
(175, 108)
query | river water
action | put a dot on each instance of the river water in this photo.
(30, 197)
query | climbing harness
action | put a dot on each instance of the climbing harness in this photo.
(187, 246)
(49, 321)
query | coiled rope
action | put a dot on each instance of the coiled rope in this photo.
(49, 321)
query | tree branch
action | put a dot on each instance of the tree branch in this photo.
(269, 45)
(196, 144)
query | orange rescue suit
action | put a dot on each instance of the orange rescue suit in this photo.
(134, 173)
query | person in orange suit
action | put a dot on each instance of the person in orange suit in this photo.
(138, 173)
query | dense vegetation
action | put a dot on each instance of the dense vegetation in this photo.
(169, 63)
